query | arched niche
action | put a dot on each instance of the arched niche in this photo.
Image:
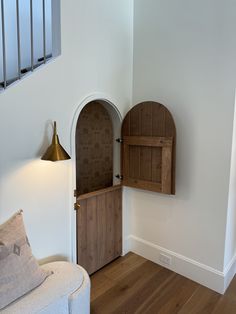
(97, 152)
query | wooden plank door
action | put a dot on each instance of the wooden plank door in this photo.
(99, 228)
(148, 148)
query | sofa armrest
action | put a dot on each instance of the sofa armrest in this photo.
(79, 300)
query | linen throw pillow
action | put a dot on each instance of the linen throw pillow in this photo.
(19, 270)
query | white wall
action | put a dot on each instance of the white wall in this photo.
(96, 57)
(184, 57)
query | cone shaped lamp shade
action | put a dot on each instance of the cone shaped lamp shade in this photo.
(55, 151)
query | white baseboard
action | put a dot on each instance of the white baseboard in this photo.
(203, 274)
(126, 248)
(229, 272)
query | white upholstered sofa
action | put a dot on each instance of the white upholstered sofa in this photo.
(66, 291)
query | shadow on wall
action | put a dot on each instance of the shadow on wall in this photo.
(54, 258)
(48, 130)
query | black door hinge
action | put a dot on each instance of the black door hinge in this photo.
(119, 140)
(118, 176)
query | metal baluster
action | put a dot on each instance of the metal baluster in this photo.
(44, 33)
(4, 46)
(18, 38)
(32, 35)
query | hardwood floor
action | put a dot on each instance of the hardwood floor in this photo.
(132, 284)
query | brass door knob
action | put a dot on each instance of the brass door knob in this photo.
(76, 206)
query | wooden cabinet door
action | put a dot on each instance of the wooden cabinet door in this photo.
(99, 228)
(148, 148)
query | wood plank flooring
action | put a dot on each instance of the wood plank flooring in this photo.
(132, 284)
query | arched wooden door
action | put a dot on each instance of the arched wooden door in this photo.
(99, 213)
(148, 148)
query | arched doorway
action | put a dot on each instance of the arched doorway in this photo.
(99, 196)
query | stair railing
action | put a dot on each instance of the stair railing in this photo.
(6, 81)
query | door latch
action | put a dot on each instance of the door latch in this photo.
(76, 206)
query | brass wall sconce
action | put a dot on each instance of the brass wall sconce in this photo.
(55, 151)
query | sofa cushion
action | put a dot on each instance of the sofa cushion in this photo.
(19, 270)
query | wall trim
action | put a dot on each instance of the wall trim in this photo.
(87, 99)
(126, 246)
(201, 273)
(229, 272)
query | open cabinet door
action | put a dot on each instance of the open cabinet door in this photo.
(148, 148)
